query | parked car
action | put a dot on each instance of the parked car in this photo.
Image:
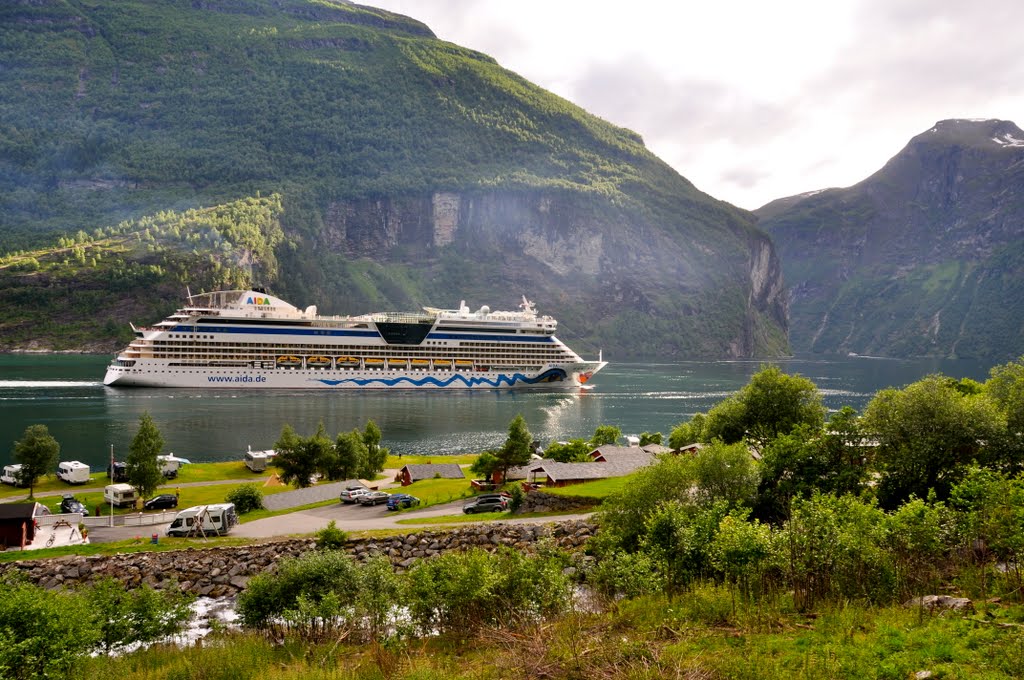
(69, 504)
(162, 502)
(402, 500)
(488, 502)
(374, 497)
(352, 494)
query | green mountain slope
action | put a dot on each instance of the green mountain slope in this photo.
(923, 258)
(410, 171)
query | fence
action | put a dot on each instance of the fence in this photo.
(134, 519)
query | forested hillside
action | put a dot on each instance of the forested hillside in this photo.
(923, 258)
(410, 171)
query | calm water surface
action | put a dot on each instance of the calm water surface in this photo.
(65, 393)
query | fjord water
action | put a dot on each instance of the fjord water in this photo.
(65, 393)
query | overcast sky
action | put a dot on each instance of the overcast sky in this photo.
(753, 100)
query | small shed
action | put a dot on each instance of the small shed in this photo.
(563, 474)
(624, 454)
(414, 473)
(17, 523)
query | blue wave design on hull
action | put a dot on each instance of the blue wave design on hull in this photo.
(552, 375)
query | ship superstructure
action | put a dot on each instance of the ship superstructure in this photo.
(249, 338)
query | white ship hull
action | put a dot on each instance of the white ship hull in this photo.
(152, 374)
(248, 339)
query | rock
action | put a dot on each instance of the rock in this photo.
(942, 603)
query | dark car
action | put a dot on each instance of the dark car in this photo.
(70, 504)
(402, 500)
(118, 472)
(161, 502)
(374, 497)
(488, 502)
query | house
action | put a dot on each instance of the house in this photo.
(563, 474)
(17, 523)
(414, 473)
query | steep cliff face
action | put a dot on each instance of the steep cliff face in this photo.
(923, 258)
(615, 279)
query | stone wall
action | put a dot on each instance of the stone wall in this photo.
(220, 572)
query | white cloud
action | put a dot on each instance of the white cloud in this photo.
(753, 101)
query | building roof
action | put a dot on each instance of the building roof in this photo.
(523, 471)
(432, 470)
(656, 448)
(566, 472)
(622, 454)
(17, 511)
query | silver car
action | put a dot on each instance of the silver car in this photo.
(352, 494)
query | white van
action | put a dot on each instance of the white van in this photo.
(120, 495)
(73, 472)
(199, 520)
(170, 464)
(257, 461)
(11, 475)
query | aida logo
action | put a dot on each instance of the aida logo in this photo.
(258, 301)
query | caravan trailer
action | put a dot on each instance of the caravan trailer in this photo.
(73, 472)
(119, 494)
(200, 520)
(257, 461)
(12, 475)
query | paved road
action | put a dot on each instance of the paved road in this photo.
(349, 517)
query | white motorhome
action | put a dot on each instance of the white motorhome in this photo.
(257, 461)
(73, 472)
(170, 464)
(200, 520)
(11, 475)
(121, 495)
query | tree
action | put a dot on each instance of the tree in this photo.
(605, 435)
(690, 432)
(37, 452)
(350, 455)
(141, 464)
(727, 473)
(928, 433)
(376, 455)
(297, 462)
(485, 465)
(517, 448)
(771, 404)
(572, 451)
(797, 464)
(650, 438)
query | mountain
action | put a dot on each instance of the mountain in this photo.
(409, 172)
(925, 258)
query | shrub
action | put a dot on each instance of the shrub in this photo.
(43, 633)
(331, 537)
(298, 587)
(247, 497)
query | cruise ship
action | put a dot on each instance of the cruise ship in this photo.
(243, 339)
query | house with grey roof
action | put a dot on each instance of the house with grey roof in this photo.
(414, 473)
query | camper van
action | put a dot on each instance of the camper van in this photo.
(73, 472)
(257, 461)
(121, 495)
(204, 519)
(11, 475)
(170, 464)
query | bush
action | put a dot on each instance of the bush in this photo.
(43, 633)
(317, 584)
(331, 537)
(247, 497)
(518, 496)
(459, 592)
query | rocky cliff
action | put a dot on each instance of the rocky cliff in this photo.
(923, 258)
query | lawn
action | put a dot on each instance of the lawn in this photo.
(188, 496)
(599, 488)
